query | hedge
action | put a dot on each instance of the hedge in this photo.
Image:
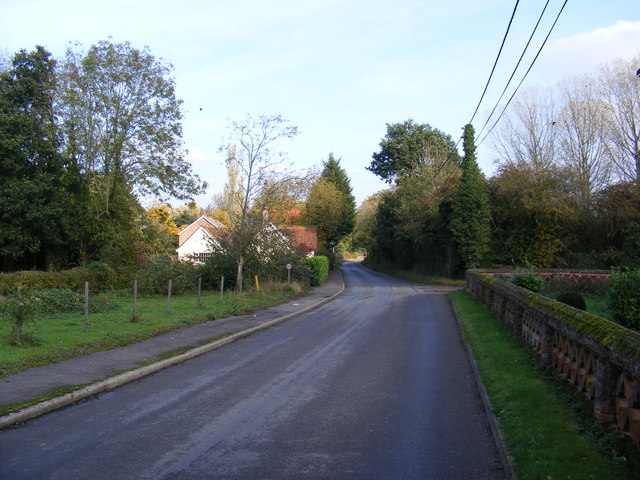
(100, 276)
(319, 267)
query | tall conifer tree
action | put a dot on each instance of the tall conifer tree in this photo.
(470, 220)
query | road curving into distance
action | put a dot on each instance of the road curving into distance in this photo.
(373, 385)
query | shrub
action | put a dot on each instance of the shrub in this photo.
(624, 297)
(156, 272)
(29, 279)
(219, 266)
(19, 308)
(331, 257)
(319, 269)
(101, 277)
(573, 299)
(527, 279)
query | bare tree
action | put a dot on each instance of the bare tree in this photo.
(621, 89)
(527, 134)
(256, 167)
(582, 124)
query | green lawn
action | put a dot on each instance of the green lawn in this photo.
(62, 336)
(543, 433)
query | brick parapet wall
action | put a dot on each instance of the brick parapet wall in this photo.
(601, 358)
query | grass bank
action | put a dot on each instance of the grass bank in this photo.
(542, 429)
(57, 337)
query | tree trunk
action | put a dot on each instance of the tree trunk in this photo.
(239, 275)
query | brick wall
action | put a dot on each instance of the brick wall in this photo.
(600, 358)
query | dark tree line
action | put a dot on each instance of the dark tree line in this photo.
(79, 140)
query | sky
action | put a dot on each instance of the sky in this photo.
(340, 70)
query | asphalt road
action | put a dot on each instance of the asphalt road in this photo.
(374, 385)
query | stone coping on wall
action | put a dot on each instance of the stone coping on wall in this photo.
(570, 340)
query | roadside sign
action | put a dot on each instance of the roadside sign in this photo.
(288, 266)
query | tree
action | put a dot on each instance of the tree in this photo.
(35, 208)
(185, 214)
(410, 228)
(582, 129)
(408, 147)
(336, 175)
(364, 237)
(122, 123)
(232, 194)
(258, 160)
(532, 215)
(527, 134)
(325, 211)
(621, 90)
(470, 222)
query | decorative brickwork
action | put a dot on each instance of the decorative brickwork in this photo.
(600, 358)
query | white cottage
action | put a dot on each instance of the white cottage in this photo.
(194, 241)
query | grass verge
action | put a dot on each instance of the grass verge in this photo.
(542, 431)
(59, 337)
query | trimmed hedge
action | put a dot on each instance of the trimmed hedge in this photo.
(319, 267)
(100, 276)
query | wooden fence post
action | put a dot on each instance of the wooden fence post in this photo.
(169, 296)
(86, 306)
(199, 291)
(221, 287)
(135, 299)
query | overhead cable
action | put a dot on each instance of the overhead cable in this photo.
(515, 69)
(496, 62)
(526, 73)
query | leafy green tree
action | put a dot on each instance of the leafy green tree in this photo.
(363, 236)
(409, 147)
(35, 208)
(186, 214)
(470, 222)
(325, 211)
(337, 176)
(122, 123)
(532, 215)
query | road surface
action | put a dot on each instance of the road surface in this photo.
(374, 385)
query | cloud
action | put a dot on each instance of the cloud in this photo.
(196, 155)
(584, 52)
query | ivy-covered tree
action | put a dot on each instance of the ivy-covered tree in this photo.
(35, 208)
(470, 216)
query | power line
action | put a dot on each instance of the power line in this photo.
(525, 75)
(515, 69)
(496, 62)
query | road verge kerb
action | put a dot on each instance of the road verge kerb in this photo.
(33, 411)
(503, 451)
